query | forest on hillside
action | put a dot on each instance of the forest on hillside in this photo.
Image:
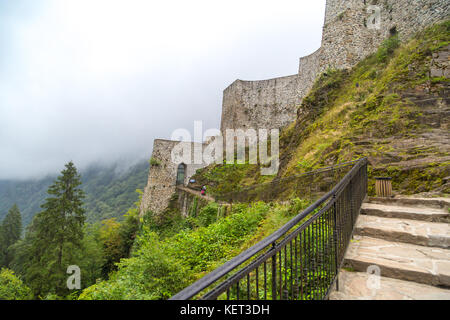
(109, 192)
(60, 238)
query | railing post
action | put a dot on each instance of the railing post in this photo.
(366, 185)
(274, 274)
(352, 207)
(335, 236)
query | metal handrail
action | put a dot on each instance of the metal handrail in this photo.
(289, 178)
(271, 240)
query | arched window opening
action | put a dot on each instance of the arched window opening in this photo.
(181, 174)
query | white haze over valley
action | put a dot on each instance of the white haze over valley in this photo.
(95, 81)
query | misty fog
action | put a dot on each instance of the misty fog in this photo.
(95, 81)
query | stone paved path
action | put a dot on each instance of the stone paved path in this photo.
(196, 193)
(407, 240)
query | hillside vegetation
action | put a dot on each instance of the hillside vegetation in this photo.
(35, 266)
(108, 194)
(162, 265)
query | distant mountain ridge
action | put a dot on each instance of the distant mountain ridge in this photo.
(109, 193)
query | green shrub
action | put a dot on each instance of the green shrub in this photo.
(208, 214)
(154, 162)
(151, 274)
(160, 268)
(297, 205)
(12, 288)
(387, 48)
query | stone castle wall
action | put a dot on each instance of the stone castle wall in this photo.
(271, 103)
(260, 104)
(161, 183)
(308, 70)
(349, 35)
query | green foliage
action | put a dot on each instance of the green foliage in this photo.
(305, 165)
(129, 228)
(226, 177)
(160, 268)
(167, 224)
(387, 48)
(208, 214)
(58, 232)
(222, 179)
(102, 246)
(22, 255)
(324, 92)
(203, 248)
(312, 279)
(12, 288)
(92, 256)
(297, 205)
(37, 258)
(154, 162)
(361, 112)
(109, 236)
(28, 195)
(151, 274)
(413, 180)
(117, 238)
(10, 232)
(167, 252)
(193, 209)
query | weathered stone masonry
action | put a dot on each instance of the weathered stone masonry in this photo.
(260, 104)
(162, 177)
(347, 38)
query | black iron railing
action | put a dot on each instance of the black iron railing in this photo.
(308, 186)
(300, 261)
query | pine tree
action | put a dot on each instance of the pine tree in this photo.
(58, 233)
(10, 232)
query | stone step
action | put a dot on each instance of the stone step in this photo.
(421, 233)
(403, 212)
(362, 286)
(398, 260)
(436, 203)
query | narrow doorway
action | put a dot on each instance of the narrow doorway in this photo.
(181, 174)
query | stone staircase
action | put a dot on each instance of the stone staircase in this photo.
(407, 242)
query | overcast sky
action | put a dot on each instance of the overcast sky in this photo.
(98, 80)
